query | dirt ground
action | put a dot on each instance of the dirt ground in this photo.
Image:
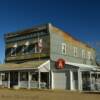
(24, 94)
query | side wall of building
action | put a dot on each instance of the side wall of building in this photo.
(60, 40)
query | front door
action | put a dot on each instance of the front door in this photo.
(75, 80)
(13, 78)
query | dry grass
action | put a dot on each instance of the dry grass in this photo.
(24, 94)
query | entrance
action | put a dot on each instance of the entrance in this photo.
(45, 79)
(13, 78)
(75, 80)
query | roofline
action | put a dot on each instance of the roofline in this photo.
(34, 28)
(44, 26)
(67, 33)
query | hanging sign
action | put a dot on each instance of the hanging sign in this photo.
(60, 63)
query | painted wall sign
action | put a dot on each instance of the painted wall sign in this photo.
(60, 63)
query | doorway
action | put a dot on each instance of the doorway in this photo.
(45, 79)
(13, 78)
(75, 80)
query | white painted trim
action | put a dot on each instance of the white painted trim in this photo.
(45, 67)
(52, 80)
(71, 81)
(39, 79)
(9, 80)
(43, 64)
(79, 80)
(29, 79)
(0, 78)
(19, 79)
(83, 66)
(49, 79)
(63, 47)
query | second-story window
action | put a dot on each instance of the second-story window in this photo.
(23, 50)
(75, 51)
(89, 55)
(13, 50)
(63, 48)
(35, 48)
(83, 53)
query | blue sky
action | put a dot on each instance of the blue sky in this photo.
(81, 18)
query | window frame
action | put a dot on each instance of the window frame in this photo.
(75, 51)
(83, 53)
(63, 48)
(88, 55)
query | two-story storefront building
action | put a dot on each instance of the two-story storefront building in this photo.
(47, 57)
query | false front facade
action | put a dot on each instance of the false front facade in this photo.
(46, 57)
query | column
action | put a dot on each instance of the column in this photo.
(71, 80)
(90, 81)
(0, 79)
(19, 79)
(96, 81)
(29, 80)
(49, 79)
(39, 79)
(52, 80)
(8, 79)
(79, 80)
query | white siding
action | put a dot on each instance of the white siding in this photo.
(59, 80)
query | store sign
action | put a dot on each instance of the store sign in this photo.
(60, 63)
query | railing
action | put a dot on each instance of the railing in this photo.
(91, 86)
(27, 56)
(96, 86)
(4, 83)
(33, 84)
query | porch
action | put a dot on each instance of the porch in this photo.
(88, 77)
(37, 77)
(91, 80)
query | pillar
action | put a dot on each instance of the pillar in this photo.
(0, 79)
(52, 80)
(71, 80)
(19, 79)
(49, 79)
(29, 80)
(39, 79)
(8, 79)
(79, 80)
(90, 81)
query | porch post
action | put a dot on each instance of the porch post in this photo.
(52, 80)
(29, 80)
(90, 81)
(19, 79)
(8, 79)
(0, 79)
(49, 79)
(71, 80)
(39, 79)
(79, 80)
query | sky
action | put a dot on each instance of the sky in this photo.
(81, 18)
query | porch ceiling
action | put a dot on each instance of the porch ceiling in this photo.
(25, 65)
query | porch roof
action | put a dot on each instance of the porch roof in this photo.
(84, 66)
(22, 66)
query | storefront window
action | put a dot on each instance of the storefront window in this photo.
(24, 76)
(4, 77)
(34, 76)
